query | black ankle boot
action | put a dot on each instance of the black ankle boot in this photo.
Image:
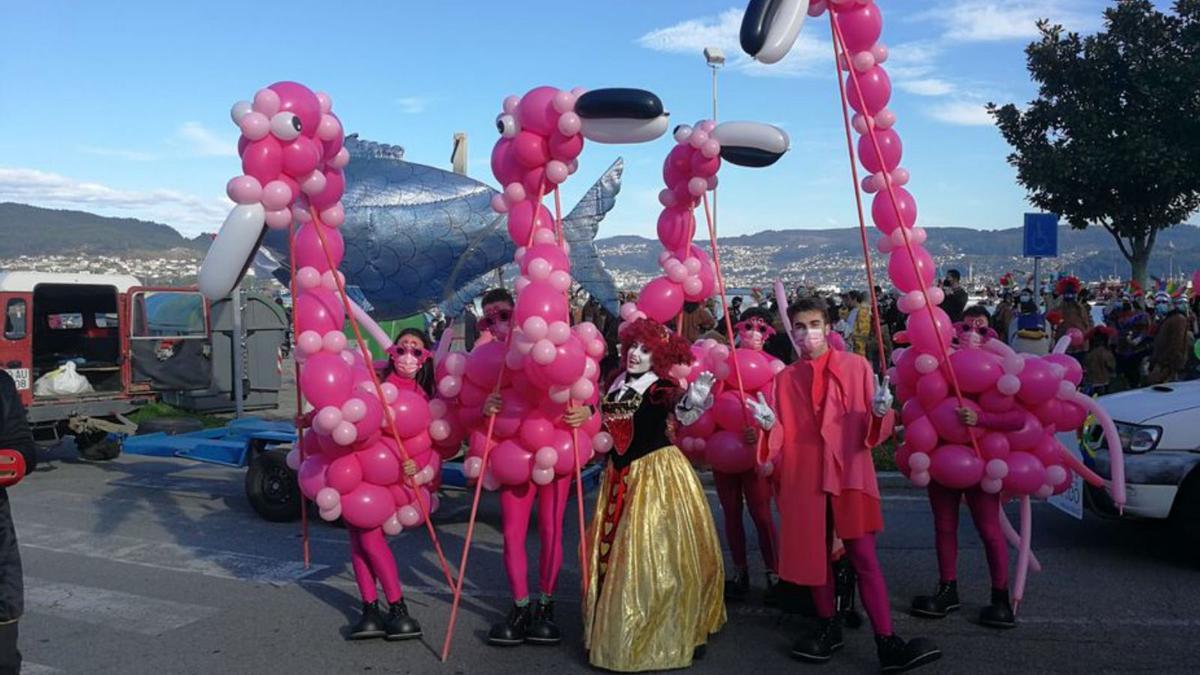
(771, 596)
(819, 645)
(999, 614)
(398, 624)
(845, 582)
(511, 631)
(938, 605)
(542, 629)
(897, 656)
(738, 587)
(370, 625)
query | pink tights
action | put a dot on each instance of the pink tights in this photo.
(861, 553)
(372, 560)
(985, 511)
(516, 505)
(757, 491)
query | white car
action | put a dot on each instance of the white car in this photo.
(1159, 428)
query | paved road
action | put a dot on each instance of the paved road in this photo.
(145, 565)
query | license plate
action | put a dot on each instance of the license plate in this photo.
(20, 377)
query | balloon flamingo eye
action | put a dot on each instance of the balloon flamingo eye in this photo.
(285, 126)
(507, 125)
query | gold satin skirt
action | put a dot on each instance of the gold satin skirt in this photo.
(662, 593)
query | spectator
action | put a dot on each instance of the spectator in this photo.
(1074, 313)
(735, 309)
(1133, 347)
(1030, 334)
(1005, 311)
(956, 296)
(16, 448)
(1099, 363)
(1169, 355)
(696, 321)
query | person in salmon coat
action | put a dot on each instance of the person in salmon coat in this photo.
(829, 416)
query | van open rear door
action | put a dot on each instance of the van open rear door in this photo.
(170, 344)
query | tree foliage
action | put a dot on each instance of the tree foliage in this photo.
(1113, 137)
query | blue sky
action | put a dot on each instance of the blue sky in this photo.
(122, 108)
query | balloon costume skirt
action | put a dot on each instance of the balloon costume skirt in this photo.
(656, 590)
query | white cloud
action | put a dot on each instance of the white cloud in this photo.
(962, 113)
(993, 20)
(806, 57)
(910, 60)
(931, 86)
(199, 140)
(188, 213)
(118, 153)
(413, 105)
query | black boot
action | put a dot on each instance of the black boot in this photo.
(738, 587)
(938, 605)
(771, 596)
(845, 582)
(897, 656)
(999, 614)
(398, 624)
(370, 625)
(511, 631)
(542, 629)
(819, 645)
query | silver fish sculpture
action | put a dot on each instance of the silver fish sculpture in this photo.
(419, 237)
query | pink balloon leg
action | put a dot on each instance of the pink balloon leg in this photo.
(1023, 552)
(1116, 455)
(1014, 539)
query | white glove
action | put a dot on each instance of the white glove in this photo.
(700, 392)
(762, 412)
(882, 401)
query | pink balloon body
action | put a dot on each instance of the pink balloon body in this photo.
(755, 368)
(368, 506)
(661, 299)
(484, 364)
(325, 380)
(536, 111)
(727, 453)
(411, 413)
(300, 101)
(379, 464)
(976, 370)
(510, 463)
(319, 310)
(676, 227)
(1025, 474)
(861, 25)
(308, 251)
(883, 214)
(344, 473)
(956, 467)
(541, 299)
(922, 333)
(890, 147)
(1038, 384)
(263, 159)
(876, 90)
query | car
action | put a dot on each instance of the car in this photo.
(1159, 428)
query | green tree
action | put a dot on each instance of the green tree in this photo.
(1112, 137)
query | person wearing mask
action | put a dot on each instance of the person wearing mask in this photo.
(18, 457)
(735, 309)
(1029, 333)
(973, 333)
(1169, 354)
(827, 485)
(1074, 314)
(697, 320)
(956, 296)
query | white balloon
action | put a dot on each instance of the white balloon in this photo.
(234, 245)
(624, 130)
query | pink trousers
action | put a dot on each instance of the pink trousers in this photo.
(373, 561)
(732, 488)
(861, 553)
(985, 512)
(516, 505)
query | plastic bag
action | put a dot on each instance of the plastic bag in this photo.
(64, 381)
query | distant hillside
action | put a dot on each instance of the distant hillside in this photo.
(31, 230)
(835, 256)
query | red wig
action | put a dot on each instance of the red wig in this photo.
(666, 348)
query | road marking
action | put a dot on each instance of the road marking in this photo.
(112, 609)
(165, 555)
(29, 668)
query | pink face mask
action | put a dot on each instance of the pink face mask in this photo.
(810, 341)
(407, 359)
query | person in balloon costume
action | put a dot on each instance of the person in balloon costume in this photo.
(654, 593)
(830, 416)
(973, 333)
(749, 487)
(526, 622)
(410, 362)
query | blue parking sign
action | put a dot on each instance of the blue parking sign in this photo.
(1041, 235)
